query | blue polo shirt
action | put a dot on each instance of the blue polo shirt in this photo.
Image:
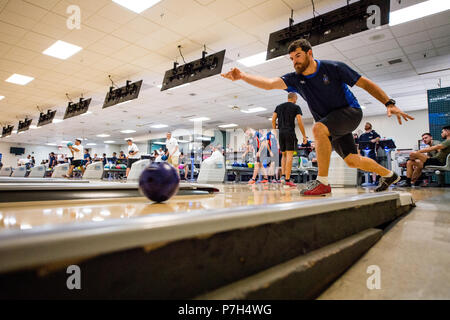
(325, 90)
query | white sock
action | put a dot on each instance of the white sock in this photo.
(323, 180)
(390, 174)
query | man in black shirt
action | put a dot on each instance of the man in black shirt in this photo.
(372, 136)
(52, 163)
(286, 113)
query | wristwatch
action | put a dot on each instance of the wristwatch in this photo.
(390, 101)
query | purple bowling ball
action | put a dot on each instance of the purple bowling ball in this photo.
(159, 181)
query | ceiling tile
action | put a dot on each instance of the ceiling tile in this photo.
(47, 4)
(271, 10)
(413, 38)
(226, 8)
(419, 47)
(245, 20)
(25, 9)
(117, 13)
(102, 24)
(129, 53)
(17, 20)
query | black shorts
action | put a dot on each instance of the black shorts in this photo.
(433, 162)
(288, 140)
(77, 163)
(341, 123)
(131, 161)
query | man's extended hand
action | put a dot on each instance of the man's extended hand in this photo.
(234, 74)
(395, 110)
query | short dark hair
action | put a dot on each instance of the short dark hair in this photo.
(292, 95)
(427, 134)
(300, 43)
(79, 140)
(446, 128)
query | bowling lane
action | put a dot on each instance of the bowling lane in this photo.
(23, 216)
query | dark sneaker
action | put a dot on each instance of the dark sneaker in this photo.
(385, 182)
(316, 188)
(404, 184)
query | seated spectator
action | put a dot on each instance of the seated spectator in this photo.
(87, 161)
(96, 158)
(418, 160)
(121, 155)
(427, 139)
(312, 155)
(104, 159)
(61, 158)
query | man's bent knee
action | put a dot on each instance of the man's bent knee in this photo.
(320, 129)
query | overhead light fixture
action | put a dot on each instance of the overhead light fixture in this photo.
(202, 68)
(62, 50)
(137, 6)
(103, 135)
(183, 141)
(109, 141)
(254, 110)
(130, 138)
(178, 87)
(14, 131)
(2, 97)
(34, 127)
(91, 144)
(57, 120)
(86, 113)
(76, 109)
(19, 79)
(128, 131)
(231, 125)
(65, 141)
(159, 142)
(123, 94)
(363, 107)
(270, 119)
(200, 119)
(418, 11)
(256, 59)
(46, 118)
(159, 126)
(51, 144)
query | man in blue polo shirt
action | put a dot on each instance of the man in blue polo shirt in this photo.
(324, 86)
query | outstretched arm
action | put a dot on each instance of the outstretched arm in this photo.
(257, 81)
(376, 92)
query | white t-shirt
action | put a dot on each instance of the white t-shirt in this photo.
(133, 148)
(78, 155)
(171, 145)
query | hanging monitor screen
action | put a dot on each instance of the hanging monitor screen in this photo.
(354, 18)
